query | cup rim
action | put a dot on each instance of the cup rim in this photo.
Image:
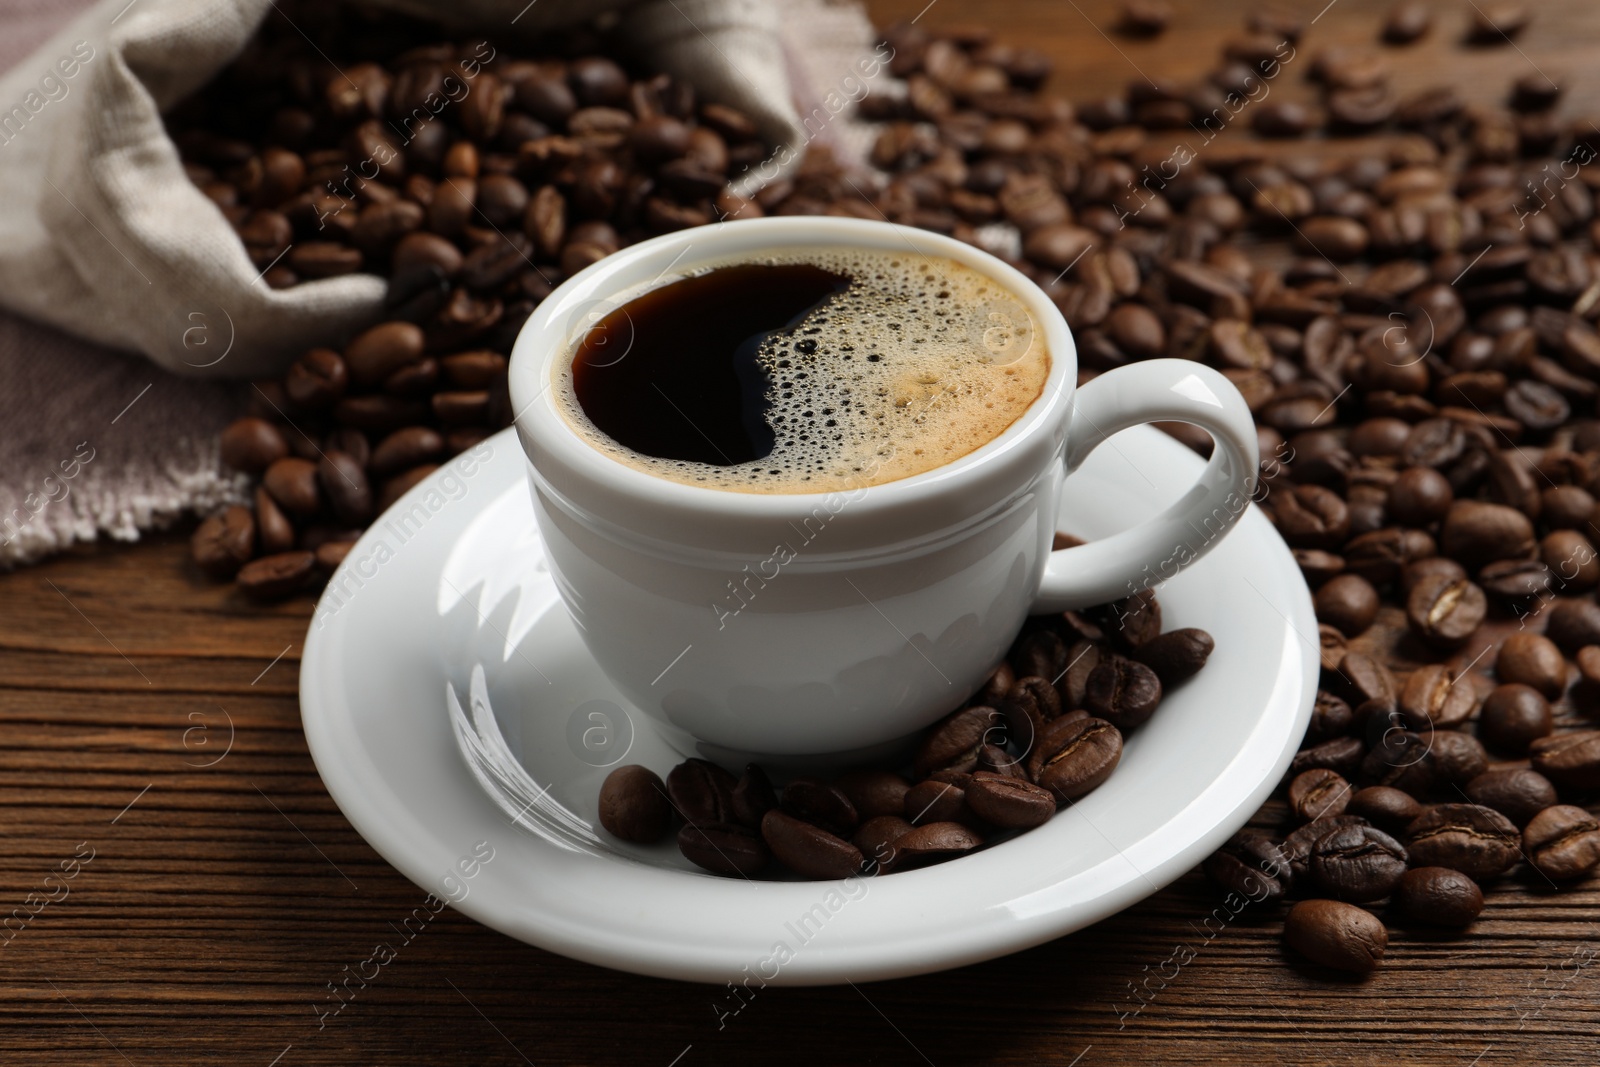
(543, 430)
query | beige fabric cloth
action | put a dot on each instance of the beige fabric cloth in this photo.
(103, 237)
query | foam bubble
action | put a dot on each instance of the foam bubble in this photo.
(919, 362)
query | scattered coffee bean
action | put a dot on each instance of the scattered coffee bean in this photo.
(1562, 842)
(1073, 756)
(1444, 612)
(1532, 660)
(1251, 866)
(1438, 896)
(809, 850)
(1408, 21)
(1513, 717)
(1570, 760)
(933, 842)
(1337, 935)
(1515, 792)
(1318, 794)
(1348, 602)
(1385, 807)
(1475, 840)
(1357, 863)
(752, 796)
(1176, 655)
(275, 577)
(1146, 18)
(1009, 803)
(724, 848)
(702, 792)
(1123, 692)
(634, 805)
(224, 542)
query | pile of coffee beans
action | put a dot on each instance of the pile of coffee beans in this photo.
(1410, 316)
(475, 180)
(1045, 729)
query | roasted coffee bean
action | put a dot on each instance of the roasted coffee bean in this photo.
(292, 481)
(752, 796)
(1296, 847)
(1133, 621)
(1382, 555)
(1357, 863)
(1517, 793)
(939, 799)
(1420, 496)
(1176, 655)
(1513, 717)
(277, 576)
(1009, 803)
(1570, 760)
(1457, 757)
(382, 350)
(1475, 533)
(224, 542)
(1516, 580)
(1252, 866)
(1562, 842)
(874, 793)
(1342, 754)
(1438, 694)
(1041, 654)
(1535, 661)
(1330, 718)
(876, 839)
(252, 445)
(1438, 896)
(1348, 602)
(1498, 21)
(1445, 612)
(954, 743)
(1571, 556)
(316, 379)
(934, 842)
(344, 486)
(1573, 623)
(1399, 757)
(821, 804)
(274, 532)
(724, 848)
(634, 805)
(1312, 517)
(1146, 18)
(1123, 692)
(1407, 21)
(1385, 807)
(809, 850)
(1475, 840)
(702, 792)
(1367, 679)
(1337, 935)
(1318, 794)
(1082, 658)
(1588, 661)
(1074, 756)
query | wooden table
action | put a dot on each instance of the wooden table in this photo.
(226, 892)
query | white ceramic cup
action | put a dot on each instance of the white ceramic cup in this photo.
(789, 625)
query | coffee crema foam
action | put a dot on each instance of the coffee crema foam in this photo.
(920, 361)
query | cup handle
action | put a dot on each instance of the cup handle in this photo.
(1157, 390)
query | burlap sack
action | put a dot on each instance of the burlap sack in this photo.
(102, 235)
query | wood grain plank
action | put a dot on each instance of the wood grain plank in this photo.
(208, 927)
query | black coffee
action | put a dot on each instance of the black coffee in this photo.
(826, 369)
(689, 385)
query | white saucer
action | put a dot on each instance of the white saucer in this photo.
(444, 622)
